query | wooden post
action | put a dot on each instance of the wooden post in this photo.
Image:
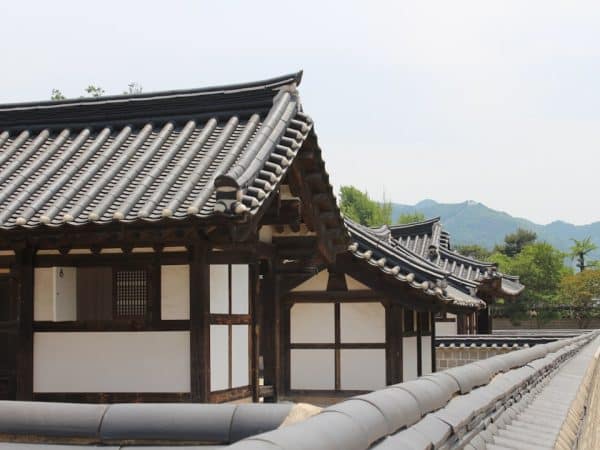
(199, 324)
(267, 321)
(433, 347)
(24, 301)
(419, 344)
(393, 340)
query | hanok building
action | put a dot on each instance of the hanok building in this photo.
(429, 241)
(187, 246)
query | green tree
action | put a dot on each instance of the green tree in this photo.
(540, 268)
(515, 242)
(474, 251)
(359, 207)
(410, 218)
(580, 250)
(581, 291)
(57, 95)
(94, 91)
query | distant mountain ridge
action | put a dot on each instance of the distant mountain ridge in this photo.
(471, 222)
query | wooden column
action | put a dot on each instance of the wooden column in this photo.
(419, 344)
(199, 323)
(267, 321)
(433, 347)
(23, 272)
(280, 348)
(393, 341)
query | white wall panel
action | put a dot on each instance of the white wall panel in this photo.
(312, 323)
(175, 292)
(315, 283)
(425, 355)
(219, 289)
(65, 293)
(239, 356)
(239, 288)
(354, 285)
(362, 369)
(362, 322)
(446, 329)
(409, 358)
(312, 369)
(43, 293)
(219, 357)
(157, 361)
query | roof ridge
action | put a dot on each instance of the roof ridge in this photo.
(269, 83)
(235, 99)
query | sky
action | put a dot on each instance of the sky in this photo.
(493, 101)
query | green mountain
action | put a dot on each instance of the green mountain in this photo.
(471, 222)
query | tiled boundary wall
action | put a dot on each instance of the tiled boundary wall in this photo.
(457, 355)
(561, 324)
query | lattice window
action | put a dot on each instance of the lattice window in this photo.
(131, 293)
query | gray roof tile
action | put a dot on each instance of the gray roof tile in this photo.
(148, 157)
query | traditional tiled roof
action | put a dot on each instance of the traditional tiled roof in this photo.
(174, 154)
(378, 248)
(428, 240)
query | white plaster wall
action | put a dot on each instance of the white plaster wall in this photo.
(312, 369)
(175, 292)
(362, 369)
(315, 283)
(43, 293)
(65, 293)
(354, 285)
(157, 361)
(426, 355)
(219, 289)
(312, 323)
(219, 357)
(409, 358)
(240, 278)
(239, 356)
(445, 329)
(362, 322)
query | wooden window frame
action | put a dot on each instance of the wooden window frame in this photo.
(147, 294)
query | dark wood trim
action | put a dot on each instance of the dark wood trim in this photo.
(110, 259)
(113, 397)
(338, 339)
(362, 296)
(155, 293)
(199, 323)
(337, 345)
(24, 300)
(112, 325)
(433, 360)
(228, 395)
(230, 319)
(393, 345)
